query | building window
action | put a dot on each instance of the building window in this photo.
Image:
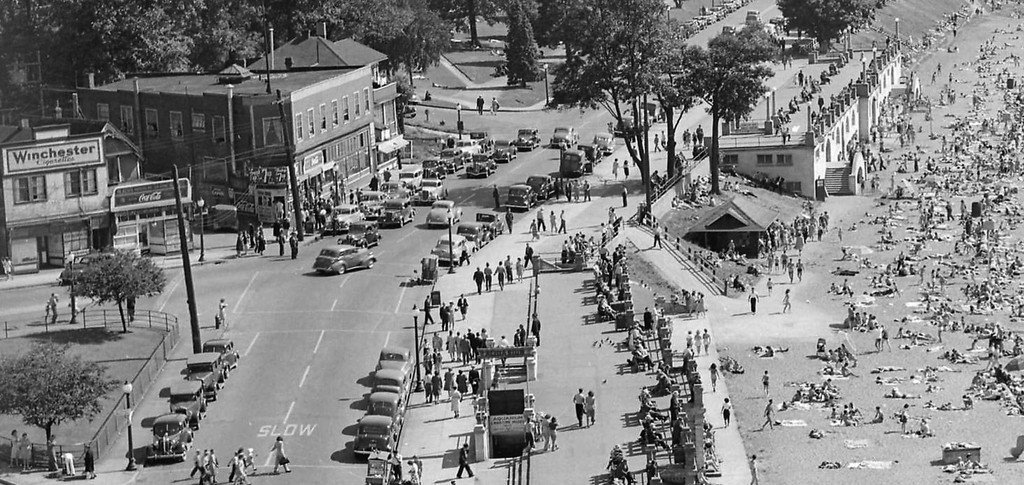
(219, 130)
(730, 159)
(366, 94)
(29, 189)
(152, 125)
(323, 117)
(359, 109)
(298, 126)
(80, 182)
(334, 112)
(764, 159)
(198, 122)
(362, 140)
(312, 122)
(177, 125)
(781, 159)
(103, 111)
(127, 120)
(345, 107)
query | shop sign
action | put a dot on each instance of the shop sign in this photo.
(148, 195)
(49, 156)
(313, 162)
(269, 175)
(507, 423)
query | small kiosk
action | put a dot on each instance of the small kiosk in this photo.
(378, 469)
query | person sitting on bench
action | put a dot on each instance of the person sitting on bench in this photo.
(641, 357)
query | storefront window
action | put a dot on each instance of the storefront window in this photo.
(80, 182)
(29, 189)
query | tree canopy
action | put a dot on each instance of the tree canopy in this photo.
(122, 276)
(521, 49)
(46, 386)
(826, 20)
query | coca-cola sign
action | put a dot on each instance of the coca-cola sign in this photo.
(148, 195)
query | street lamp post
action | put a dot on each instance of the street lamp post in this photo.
(897, 33)
(451, 250)
(547, 97)
(127, 389)
(201, 204)
(418, 385)
(458, 112)
(74, 303)
(863, 68)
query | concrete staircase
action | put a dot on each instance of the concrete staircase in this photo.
(837, 180)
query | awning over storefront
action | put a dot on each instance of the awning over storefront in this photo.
(393, 144)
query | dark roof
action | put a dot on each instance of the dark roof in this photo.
(737, 215)
(197, 84)
(235, 70)
(312, 51)
(76, 127)
(14, 134)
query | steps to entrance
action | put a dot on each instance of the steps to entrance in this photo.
(837, 180)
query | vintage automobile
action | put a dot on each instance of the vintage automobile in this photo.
(492, 221)
(341, 258)
(481, 165)
(564, 137)
(386, 404)
(207, 369)
(186, 398)
(390, 380)
(542, 185)
(434, 168)
(342, 216)
(172, 438)
(527, 139)
(396, 213)
(469, 147)
(228, 354)
(475, 232)
(520, 196)
(375, 433)
(504, 151)
(80, 264)
(431, 191)
(458, 244)
(394, 357)
(363, 234)
(605, 143)
(371, 202)
(453, 159)
(441, 211)
(483, 139)
(572, 163)
(391, 186)
(411, 176)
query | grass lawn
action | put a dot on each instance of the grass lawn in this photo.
(917, 18)
(123, 354)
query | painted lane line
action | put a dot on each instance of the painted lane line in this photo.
(167, 299)
(335, 304)
(321, 339)
(387, 339)
(249, 348)
(246, 290)
(345, 280)
(398, 302)
(289, 413)
(303, 381)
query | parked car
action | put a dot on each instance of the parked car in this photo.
(342, 216)
(394, 357)
(521, 196)
(397, 212)
(391, 186)
(172, 438)
(80, 264)
(187, 399)
(411, 176)
(458, 244)
(363, 234)
(492, 221)
(440, 212)
(434, 168)
(390, 380)
(206, 368)
(371, 203)
(504, 151)
(386, 404)
(453, 159)
(375, 433)
(341, 258)
(469, 147)
(605, 143)
(481, 166)
(475, 232)
(542, 185)
(431, 191)
(228, 354)
(483, 139)
(527, 139)
(564, 137)
(572, 163)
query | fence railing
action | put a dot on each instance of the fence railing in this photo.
(116, 420)
(105, 318)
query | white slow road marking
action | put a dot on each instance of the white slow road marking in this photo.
(304, 374)
(289, 413)
(249, 348)
(321, 339)
(246, 290)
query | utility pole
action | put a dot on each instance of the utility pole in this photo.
(190, 290)
(292, 177)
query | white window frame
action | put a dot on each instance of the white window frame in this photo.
(199, 127)
(35, 187)
(177, 131)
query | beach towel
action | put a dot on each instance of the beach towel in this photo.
(854, 444)
(870, 465)
(793, 423)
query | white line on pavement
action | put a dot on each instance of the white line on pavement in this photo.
(387, 339)
(345, 280)
(334, 304)
(249, 348)
(398, 302)
(321, 339)
(167, 299)
(289, 413)
(304, 374)
(246, 290)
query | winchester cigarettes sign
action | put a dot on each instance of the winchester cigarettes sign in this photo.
(49, 156)
(148, 195)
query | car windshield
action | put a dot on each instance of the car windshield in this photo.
(381, 408)
(561, 131)
(535, 180)
(467, 230)
(166, 429)
(466, 143)
(432, 183)
(329, 253)
(373, 430)
(450, 152)
(442, 244)
(409, 175)
(394, 204)
(356, 228)
(523, 133)
(203, 367)
(443, 204)
(392, 356)
(214, 348)
(180, 398)
(345, 210)
(370, 197)
(517, 192)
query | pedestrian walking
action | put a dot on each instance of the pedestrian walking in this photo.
(561, 223)
(527, 257)
(509, 219)
(787, 305)
(625, 169)
(624, 194)
(590, 407)
(449, 384)
(586, 190)
(90, 463)
(706, 337)
(427, 317)
(51, 308)
(753, 301)
(770, 285)
(293, 243)
(221, 318)
(657, 238)
(488, 276)
(494, 106)
(753, 470)
(501, 275)
(519, 270)
(280, 458)
(497, 204)
(726, 412)
(885, 339)
(713, 370)
(463, 305)
(553, 425)
(657, 145)
(508, 269)
(428, 387)
(197, 464)
(579, 400)
(480, 105)
(478, 278)
(25, 452)
(615, 169)
(464, 461)
(554, 221)
(541, 226)
(211, 466)
(456, 401)
(239, 245)
(535, 328)
(769, 415)
(14, 448)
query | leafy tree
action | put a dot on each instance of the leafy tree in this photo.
(405, 92)
(826, 20)
(226, 31)
(122, 276)
(47, 387)
(464, 13)
(521, 49)
(730, 76)
(422, 40)
(621, 48)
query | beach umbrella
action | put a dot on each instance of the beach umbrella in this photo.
(1014, 365)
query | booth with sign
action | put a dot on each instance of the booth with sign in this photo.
(506, 422)
(145, 216)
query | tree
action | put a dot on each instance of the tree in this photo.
(226, 32)
(621, 50)
(122, 276)
(47, 387)
(464, 13)
(730, 76)
(520, 47)
(826, 20)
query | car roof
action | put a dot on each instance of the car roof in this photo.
(531, 177)
(445, 203)
(390, 374)
(170, 418)
(346, 206)
(603, 135)
(527, 129)
(394, 349)
(570, 152)
(410, 169)
(203, 358)
(456, 238)
(398, 201)
(217, 341)
(185, 387)
(372, 420)
(342, 247)
(384, 396)
(373, 192)
(470, 224)
(521, 187)
(563, 128)
(362, 224)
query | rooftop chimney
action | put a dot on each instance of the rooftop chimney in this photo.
(24, 123)
(90, 80)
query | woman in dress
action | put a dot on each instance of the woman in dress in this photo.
(280, 459)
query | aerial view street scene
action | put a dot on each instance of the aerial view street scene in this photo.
(512, 242)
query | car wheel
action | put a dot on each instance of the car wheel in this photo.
(227, 373)
(370, 263)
